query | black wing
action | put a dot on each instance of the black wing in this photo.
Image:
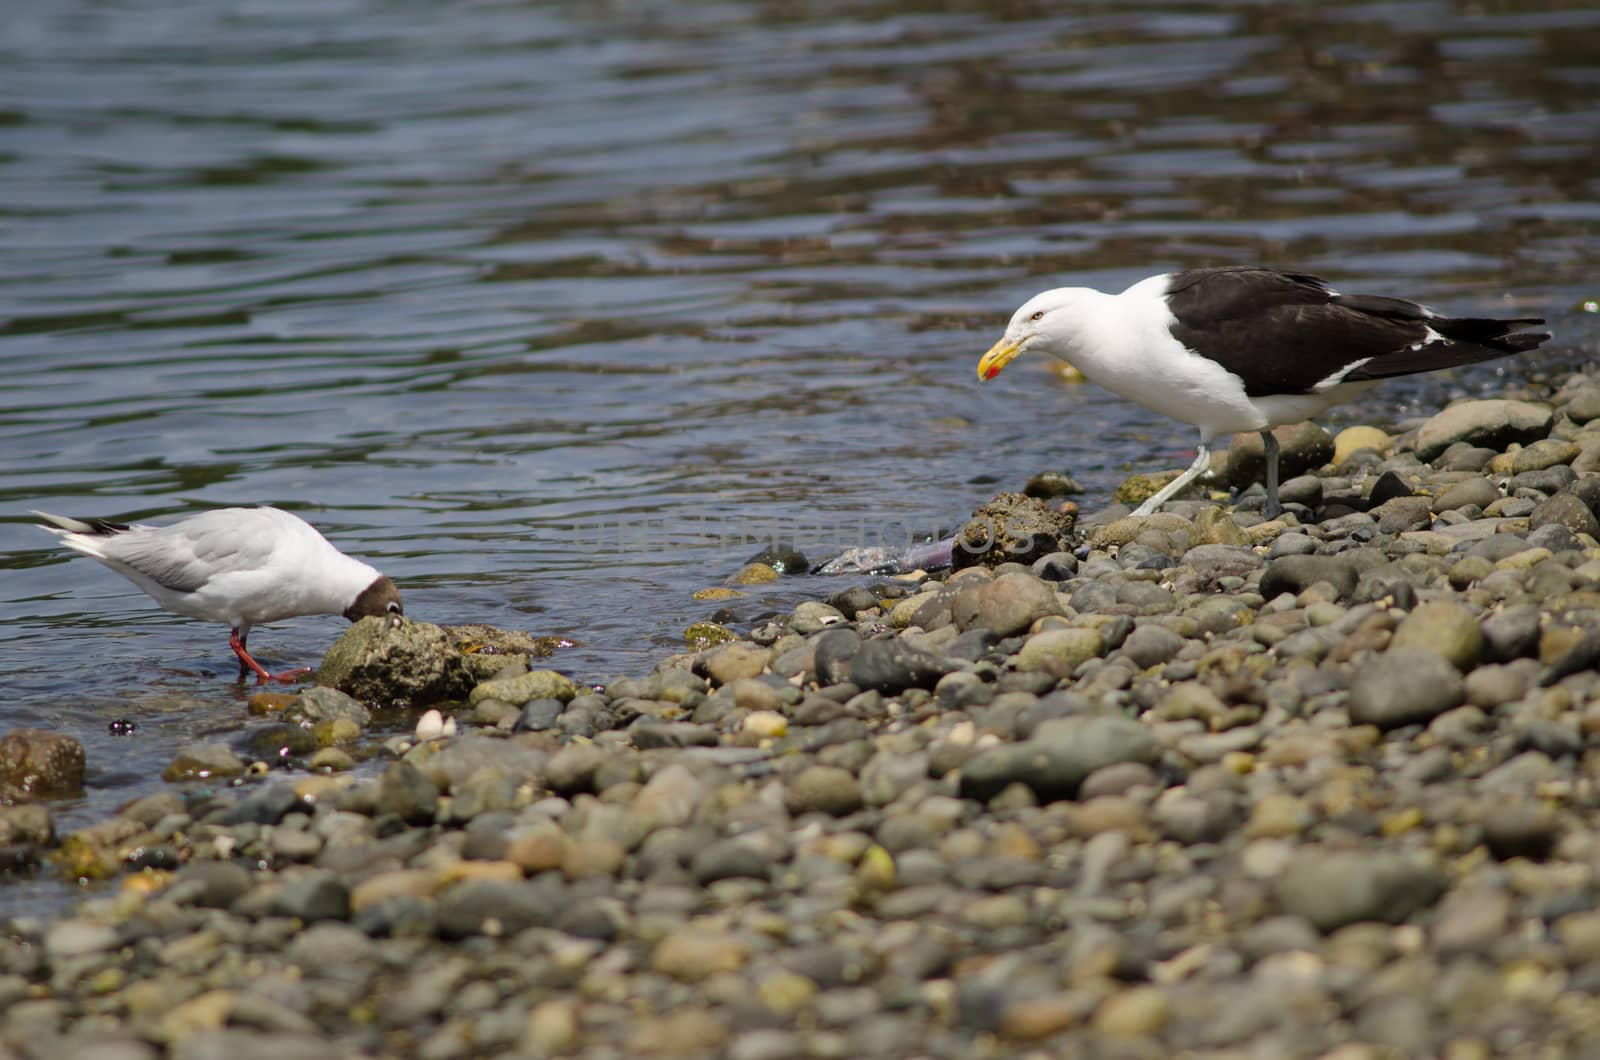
(1289, 333)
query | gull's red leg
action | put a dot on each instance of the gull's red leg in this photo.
(263, 675)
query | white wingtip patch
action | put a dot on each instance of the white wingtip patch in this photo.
(1338, 377)
(1428, 339)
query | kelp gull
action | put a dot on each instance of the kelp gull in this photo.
(1244, 348)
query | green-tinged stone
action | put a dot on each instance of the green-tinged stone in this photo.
(535, 684)
(702, 635)
(1136, 489)
(1213, 526)
(332, 759)
(203, 761)
(83, 859)
(755, 574)
(336, 731)
(718, 593)
(392, 661)
(269, 702)
(1059, 652)
(40, 763)
(876, 869)
(479, 639)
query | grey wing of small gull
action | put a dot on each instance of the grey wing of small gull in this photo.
(184, 557)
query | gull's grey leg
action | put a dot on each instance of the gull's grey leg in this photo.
(1270, 444)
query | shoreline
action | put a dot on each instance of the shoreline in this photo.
(1295, 788)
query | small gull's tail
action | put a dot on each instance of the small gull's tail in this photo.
(63, 524)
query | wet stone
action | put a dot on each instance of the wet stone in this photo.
(322, 703)
(266, 805)
(782, 557)
(538, 715)
(41, 764)
(379, 660)
(526, 687)
(202, 761)
(274, 743)
(27, 823)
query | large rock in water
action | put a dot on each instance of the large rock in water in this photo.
(1011, 528)
(382, 660)
(37, 763)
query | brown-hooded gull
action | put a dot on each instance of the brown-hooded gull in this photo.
(240, 566)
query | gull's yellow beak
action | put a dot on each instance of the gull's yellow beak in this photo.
(1000, 354)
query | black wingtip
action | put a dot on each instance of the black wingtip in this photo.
(96, 527)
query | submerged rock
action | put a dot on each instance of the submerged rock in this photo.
(782, 557)
(36, 763)
(702, 635)
(204, 761)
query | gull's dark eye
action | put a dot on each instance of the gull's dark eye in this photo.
(1039, 315)
(394, 607)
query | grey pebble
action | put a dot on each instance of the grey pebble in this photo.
(1404, 687)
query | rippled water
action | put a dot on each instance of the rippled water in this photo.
(555, 311)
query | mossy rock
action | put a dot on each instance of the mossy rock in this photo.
(703, 635)
(523, 688)
(1136, 489)
(387, 661)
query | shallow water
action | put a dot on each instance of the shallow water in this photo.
(556, 312)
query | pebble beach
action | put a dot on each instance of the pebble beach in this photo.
(1196, 784)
